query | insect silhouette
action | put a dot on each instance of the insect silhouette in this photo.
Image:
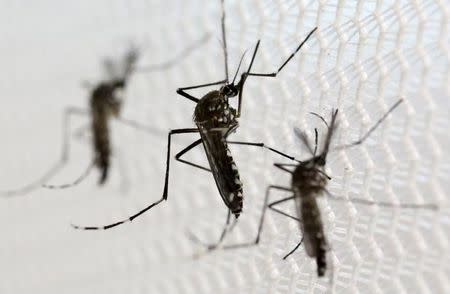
(309, 181)
(215, 120)
(105, 103)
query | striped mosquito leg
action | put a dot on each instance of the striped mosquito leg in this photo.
(266, 205)
(165, 191)
(68, 114)
(262, 145)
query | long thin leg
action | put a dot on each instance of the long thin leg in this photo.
(271, 207)
(165, 191)
(304, 138)
(81, 133)
(321, 118)
(283, 166)
(274, 74)
(211, 247)
(293, 250)
(316, 141)
(373, 128)
(148, 129)
(244, 78)
(74, 183)
(185, 150)
(430, 206)
(289, 216)
(68, 113)
(224, 40)
(127, 122)
(261, 221)
(262, 145)
(224, 230)
(181, 91)
(175, 60)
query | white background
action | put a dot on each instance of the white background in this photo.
(367, 51)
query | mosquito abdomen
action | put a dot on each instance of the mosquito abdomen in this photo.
(313, 236)
(101, 142)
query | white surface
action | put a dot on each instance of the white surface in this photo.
(369, 51)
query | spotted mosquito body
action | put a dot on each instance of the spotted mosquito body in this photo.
(308, 183)
(215, 120)
(105, 103)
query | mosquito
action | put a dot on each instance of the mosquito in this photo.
(215, 120)
(309, 181)
(105, 103)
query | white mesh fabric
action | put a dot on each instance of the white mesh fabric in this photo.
(370, 52)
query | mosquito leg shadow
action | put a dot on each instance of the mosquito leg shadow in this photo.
(165, 190)
(79, 133)
(68, 114)
(266, 205)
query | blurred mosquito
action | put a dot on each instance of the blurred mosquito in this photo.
(215, 120)
(309, 182)
(105, 103)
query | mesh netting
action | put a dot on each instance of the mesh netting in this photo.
(365, 55)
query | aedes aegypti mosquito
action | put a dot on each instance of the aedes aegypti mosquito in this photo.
(309, 182)
(216, 119)
(105, 103)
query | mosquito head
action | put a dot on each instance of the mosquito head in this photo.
(229, 90)
(321, 160)
(129, 61)
(232, 90)
(119, 84)
(131, 56)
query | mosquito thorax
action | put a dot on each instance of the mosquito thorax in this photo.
(229, 90)
(308, 178)
(106, 100)
(214, 110)
(320, 160)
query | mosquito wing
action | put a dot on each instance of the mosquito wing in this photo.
(223, 168)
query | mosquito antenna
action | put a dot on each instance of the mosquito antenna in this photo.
(239, 66)
(129, 61)
(304, 138)
(316, 141)
(293, 250)
(244, 77)
(320, 117)
(110, 68)
(74, 183)
(330, 132)
(224, 37)
(169, 63)
(430, 206)
(323, 173)
(373, 128)
(296, 50)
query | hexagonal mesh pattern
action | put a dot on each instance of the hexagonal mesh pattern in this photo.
(365, 55)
